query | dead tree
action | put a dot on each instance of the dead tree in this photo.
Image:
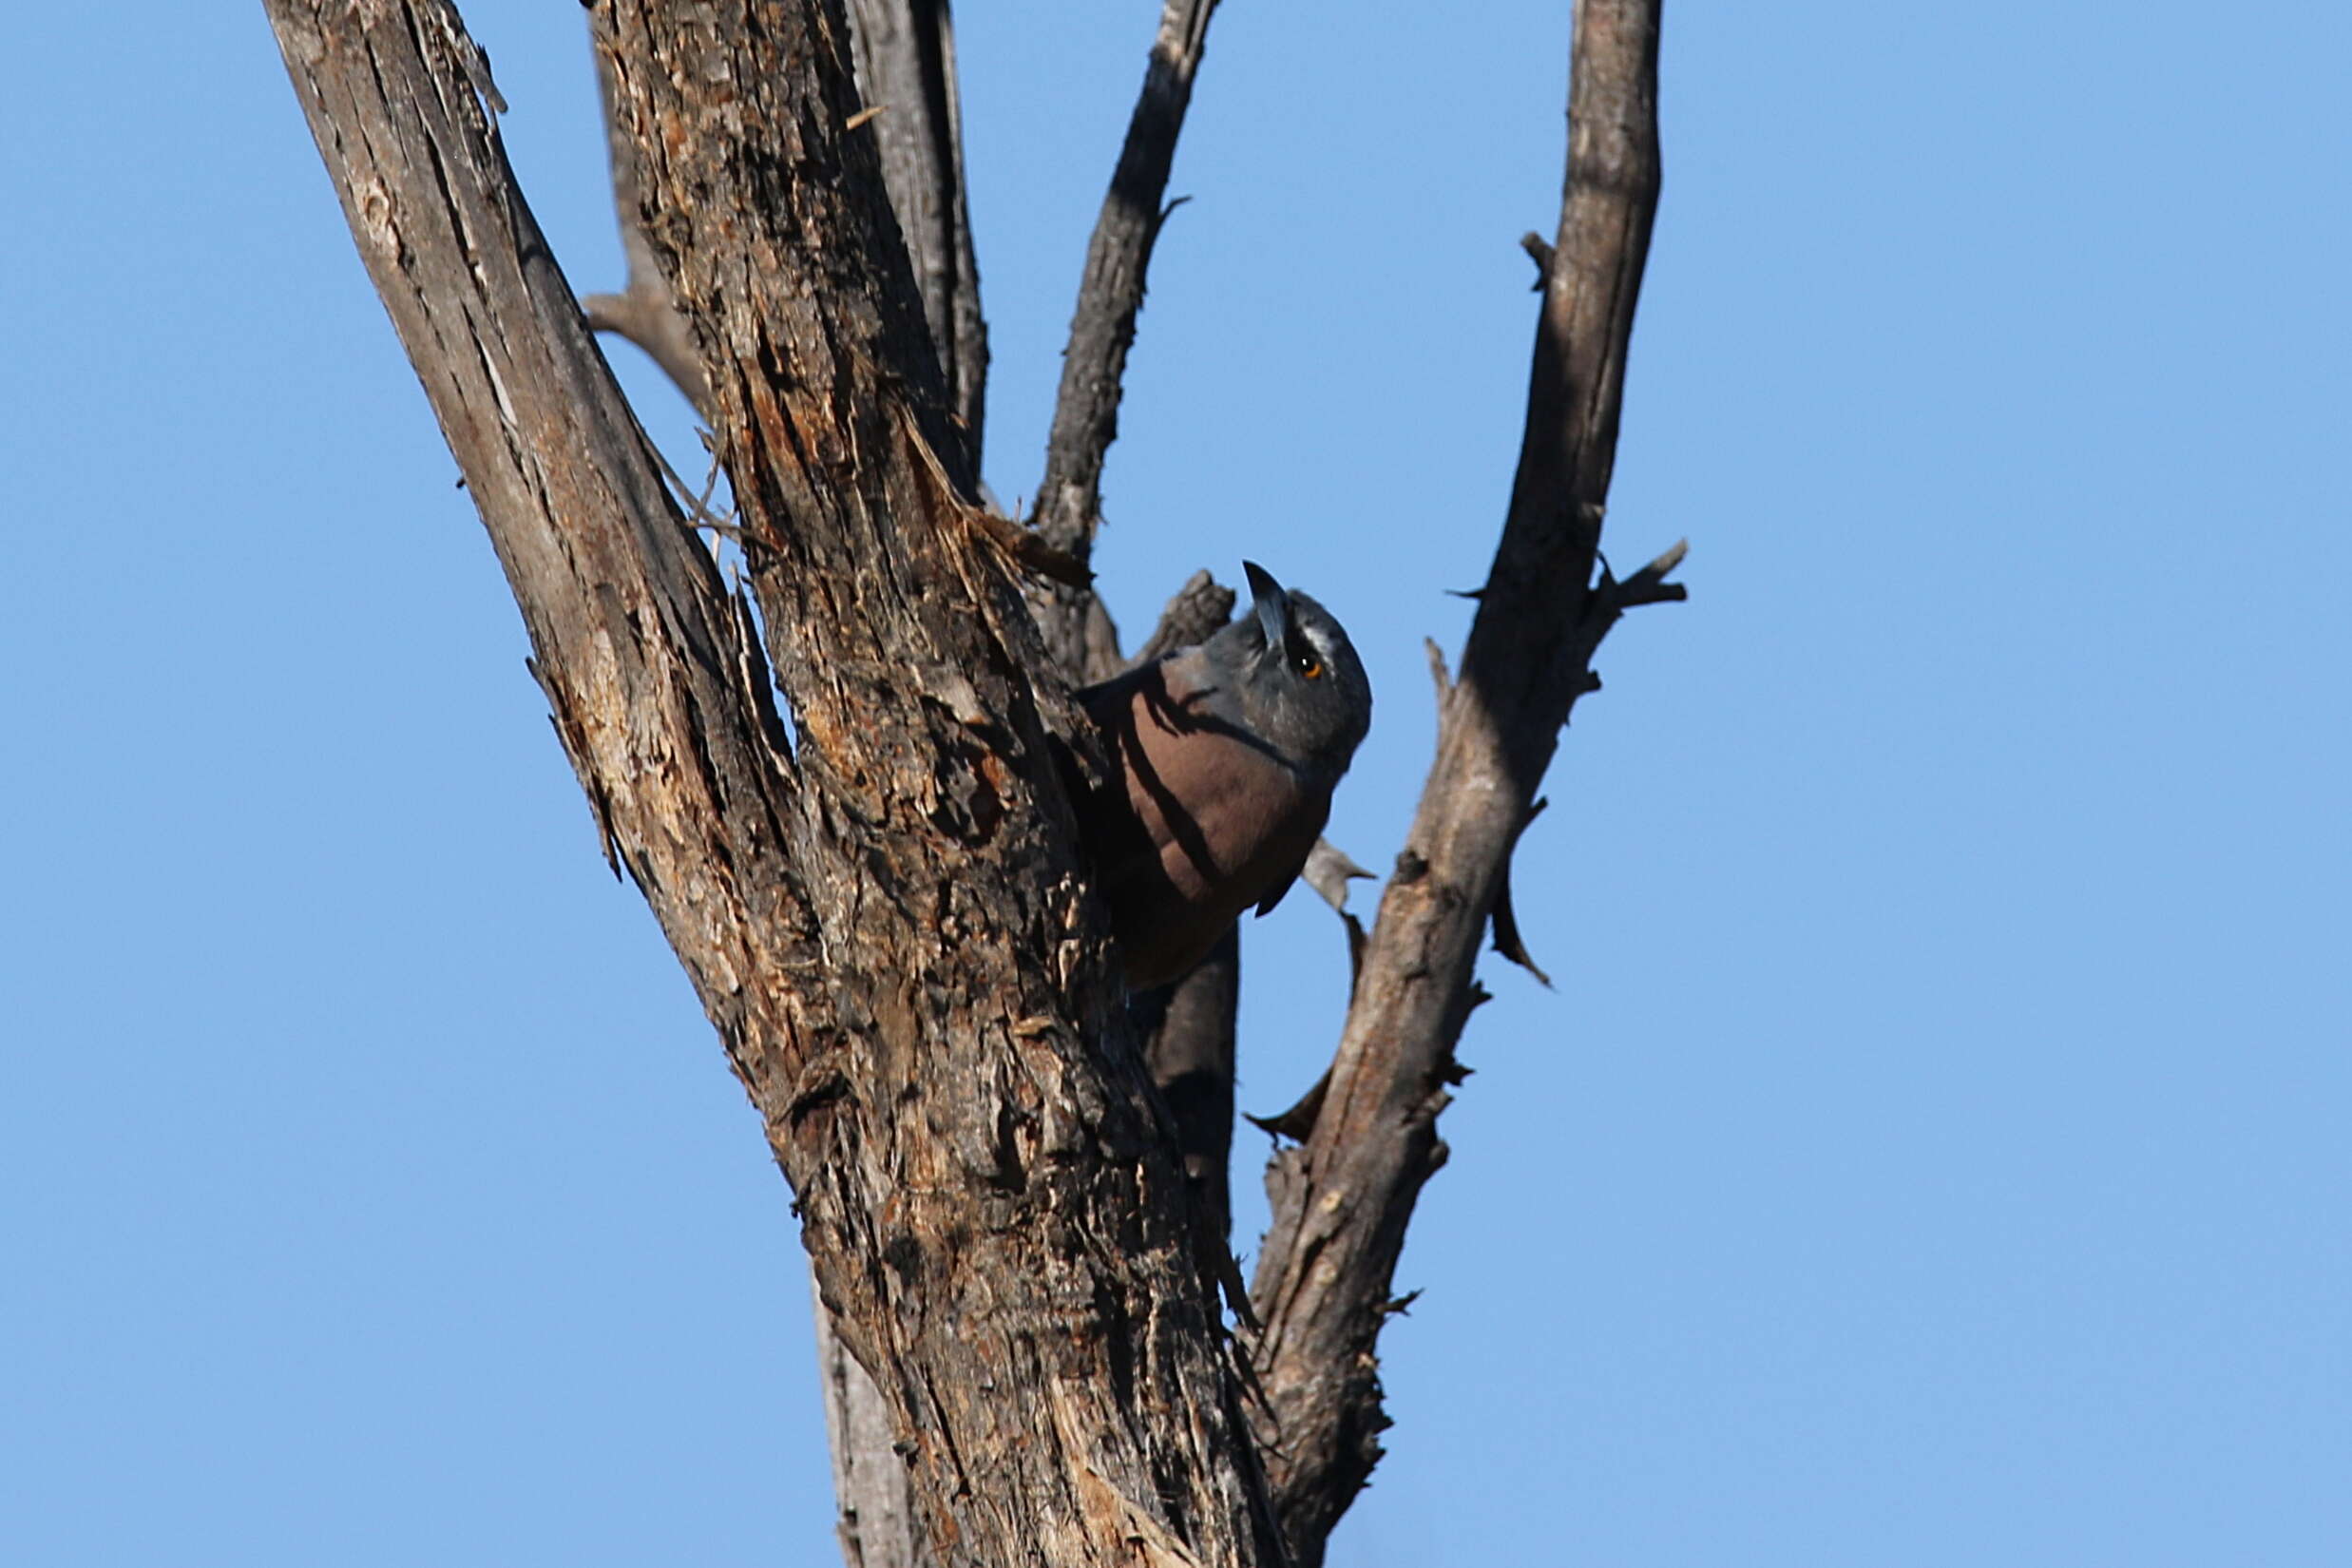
(841, 782)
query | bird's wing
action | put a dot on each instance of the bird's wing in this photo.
(1106, 698)
(1274, 897)
(1299, 837)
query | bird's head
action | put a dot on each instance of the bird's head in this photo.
(1292, 678)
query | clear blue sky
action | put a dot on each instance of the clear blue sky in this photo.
(1939, 1148)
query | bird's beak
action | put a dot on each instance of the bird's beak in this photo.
(1272, 606)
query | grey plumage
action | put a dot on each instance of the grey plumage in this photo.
(1228, 753)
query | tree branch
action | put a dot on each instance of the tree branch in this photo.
(905, 72)
(1094, 365)
(1342, 1200)
(1194, 614)
(877, 1522)
(658, 698)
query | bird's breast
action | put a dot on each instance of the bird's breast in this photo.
(1204, 822)
(1224, 813)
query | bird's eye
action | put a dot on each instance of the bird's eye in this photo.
(1308, 665)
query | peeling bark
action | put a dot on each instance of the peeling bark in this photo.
(886, 924)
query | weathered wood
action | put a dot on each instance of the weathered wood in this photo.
(643, 312)
(1342, 1200)
(887, 924)
(885, 918)
(905, 52)
(654, 690)
(1102, 329)
(876, 1518)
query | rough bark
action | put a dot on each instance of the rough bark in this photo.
(643, 312)
(905, 57)
(1343, 1198)
(904, 54)
(886, 921)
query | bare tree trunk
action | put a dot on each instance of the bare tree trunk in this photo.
(905, 52)
(888, 925)
(883, 909)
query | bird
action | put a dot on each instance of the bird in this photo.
(1225, 756)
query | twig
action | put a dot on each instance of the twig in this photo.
(1507, 940)
(697, 507)
(1538, 251)
(1649, 585)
